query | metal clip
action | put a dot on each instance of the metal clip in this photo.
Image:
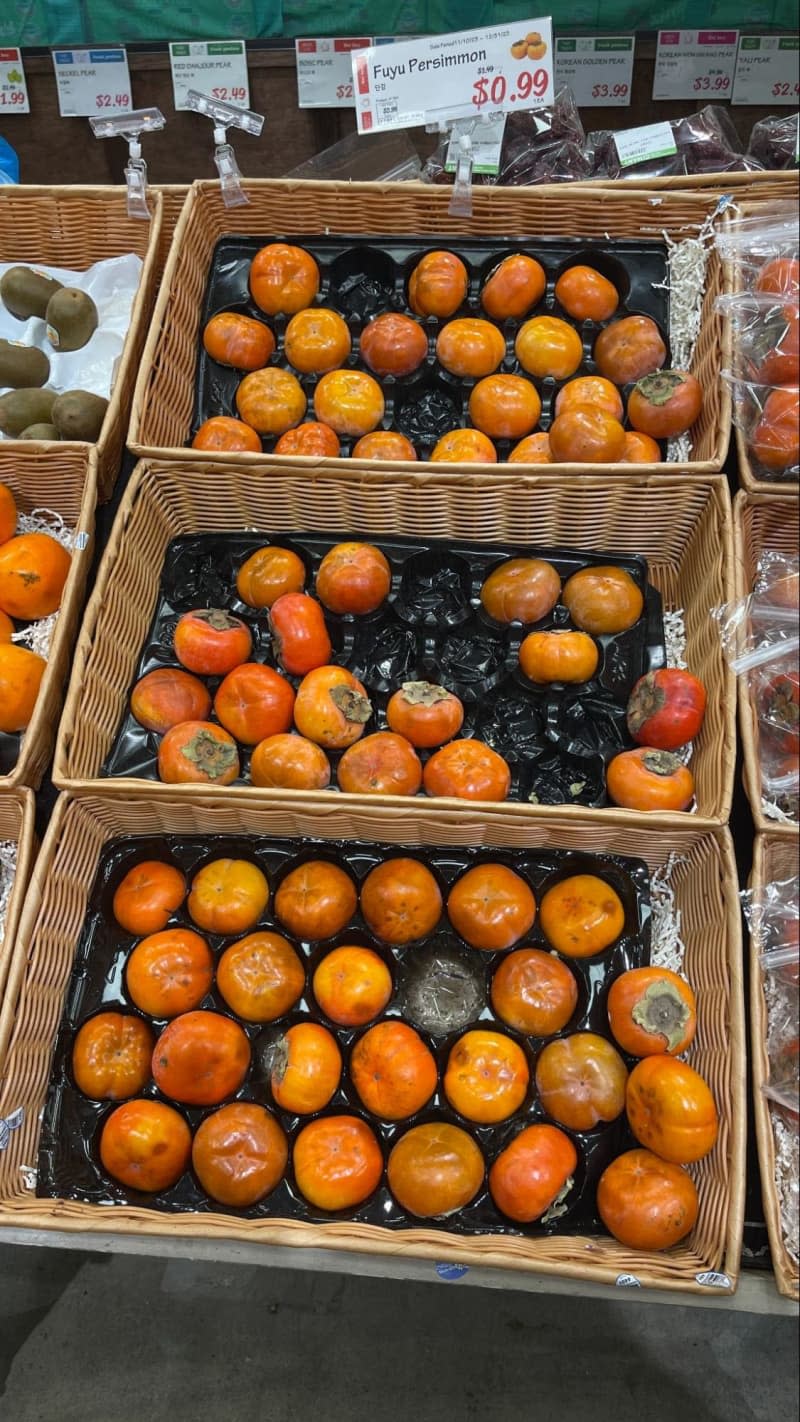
(461, 197)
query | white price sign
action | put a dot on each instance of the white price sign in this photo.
(325, 72)
(598, 71)
(642, 145)
(13, 89)
(499, 69)
(767, 70)
(216, 68)
(486, 140)
(695, 64)
(92, 81)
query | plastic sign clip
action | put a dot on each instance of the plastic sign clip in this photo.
(225, 116)
(131, 126)
(461, 198)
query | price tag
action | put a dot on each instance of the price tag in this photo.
(13, 88)
(598, 71)
(216, 68)
(693, 64)
(453, 76)
(487, 141)
(325, 72)
(766, 70)
(91, 81)
(639, 145)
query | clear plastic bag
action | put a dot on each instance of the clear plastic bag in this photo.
(766, 336)
(752, 242)
(705, 142)
(774, 141)
(769, 418)
(774, 920)
(544, 145)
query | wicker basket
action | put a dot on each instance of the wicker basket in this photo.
(704, 882)
(173, 197)
(63, 483)
(74, 227)
(17, 809)
(762, 522)
(774, 858)
(162, 406)
(762, 187)
(681, 526)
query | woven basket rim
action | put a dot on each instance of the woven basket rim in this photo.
(24, 804)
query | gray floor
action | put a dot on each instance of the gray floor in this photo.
(96, 1339)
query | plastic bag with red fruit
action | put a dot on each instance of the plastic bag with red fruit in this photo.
(769, 417)
(766, 336)
(775, 141)
(762, 249)
(773, 917)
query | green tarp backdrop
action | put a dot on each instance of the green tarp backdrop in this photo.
(32, 23)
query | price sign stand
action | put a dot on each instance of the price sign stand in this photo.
(131, 126)
(226, 116)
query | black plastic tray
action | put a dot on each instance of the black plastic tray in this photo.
(364, 276)
(557, 740)
(69, 1165)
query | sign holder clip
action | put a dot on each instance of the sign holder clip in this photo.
(131, 127)
(225, 116)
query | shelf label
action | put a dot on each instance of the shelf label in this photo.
(92, 81)
(639, 145)
(695, 64)
(487, 141)
(13, 88)
(216, 68)
(598, 71)
(766, 70)
(325, 72)
(441, 77)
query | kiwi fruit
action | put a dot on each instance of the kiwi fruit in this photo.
(71, 318)
(25, 293)
(22, 366)
(21, 408)
(77, 414)
(40, 432)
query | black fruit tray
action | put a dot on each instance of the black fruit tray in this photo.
(69, 1165)
(557, 739)
(361, 277)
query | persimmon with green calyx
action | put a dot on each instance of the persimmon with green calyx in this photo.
(665, 404)
(199, 753)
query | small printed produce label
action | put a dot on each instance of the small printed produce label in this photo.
(640, 145)
(441, 77)
(13, 88)
(216, 68)
(695, 64)
(486, 137)
(598, 71)
(92, 81)
(767, 70)
(325, 72)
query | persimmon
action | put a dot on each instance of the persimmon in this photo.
(515, 285)
(470, 347)
(581, 1081)
(111, 1056)
(533, 1172)
(232, 339)
(166, 696)
(393, 344)
(603, 600)
(671, 1110)
(224, 433)
(467, 770)
(289, 762)
(33, 570)
(504, 406)
(316, 340)
(7, 628)
(652, 1010)
(352, 985)
(21, 673)
(299, 633)
(393, 1071)
(427, 715)
(779, 277)
(198, 753)
(434, 1170)
(350, 401)
(380, 764)
(521, 590)
(384, 444)
(491, 907)
(648, 779)
(401, 901)
(8, 513)
(253, 702)
(269, 573)
(353, 577)
(337, 1162)
(781, 363)
(665, 404)
(145, 1145)
(272, 400)
(640, 449)
(560, 656)
(147, 896)
(283, 279)
(261, 976)
(310, 438)
(646, 1202)
(592, 390)
(200, 1058)
(211, 642)
(586, 295)
(464, 447)
(666, 708)
(533, 449)
(169, 972)
(534, 992)
(228, 896)
(438, 285)
(629, 348)
(581, 915)
(332, 707)
(487, 1076)
(775, 441)
(315, 900)
(307, 1068)
(547, 346)
(586, 434)
(239, 1154)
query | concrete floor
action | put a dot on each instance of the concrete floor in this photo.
(87, 1338)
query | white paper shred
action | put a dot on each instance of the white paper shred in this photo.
(37, 636)
(686, 282)
(787, 1165)
(667, 948)
(8, 868)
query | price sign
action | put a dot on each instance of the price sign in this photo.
(640, 145)
(13, 89)
(92, 81)
(767, 70)
(325, 72)
(695, 64)
(598, 71)
(217, 68)
(486, 138)
(430, 80)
